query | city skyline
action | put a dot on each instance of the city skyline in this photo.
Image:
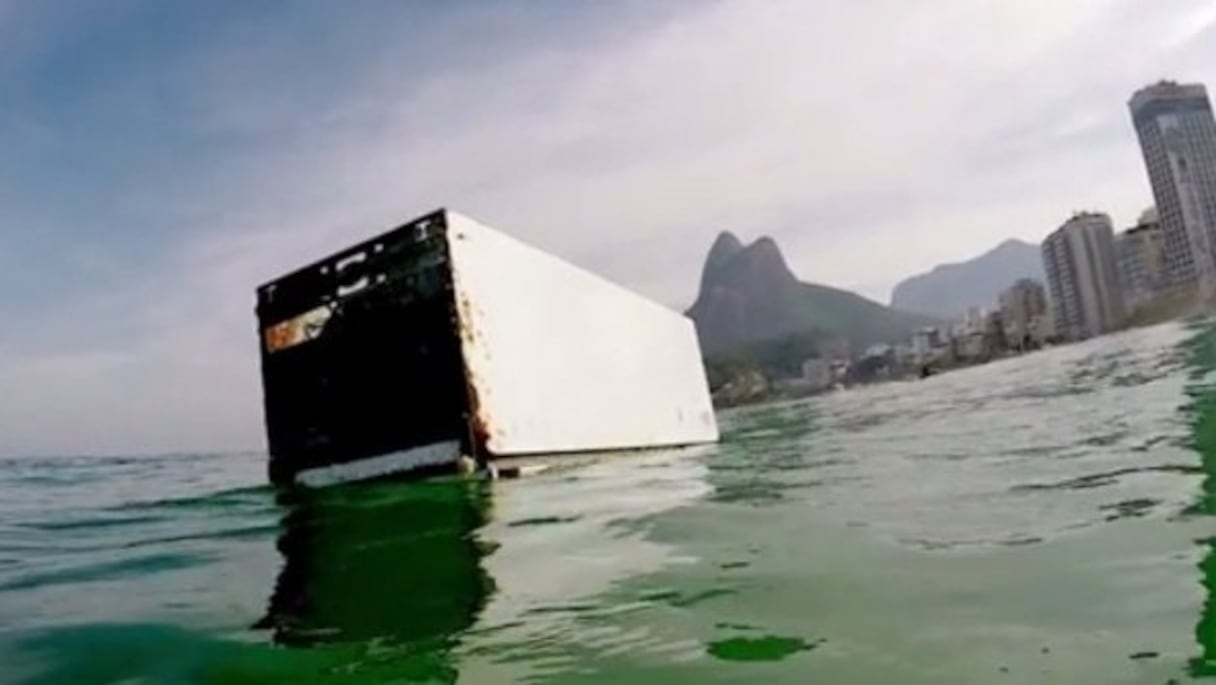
(1097, 275)
(1096, 279)
(1099, 279)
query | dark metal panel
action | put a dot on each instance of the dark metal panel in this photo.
(374, 365)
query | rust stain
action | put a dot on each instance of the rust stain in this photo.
(464, 318)
(482, 428)
(479, 421)
(280, 336)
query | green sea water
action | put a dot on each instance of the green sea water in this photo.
(1044, 519)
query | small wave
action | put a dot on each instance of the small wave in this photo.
(258, 496)
(1132, 508)
(112, 570)
(543, 521)
(91, 523)
(1096, 480)
(766, 648)
(241, 533)
(682, 599)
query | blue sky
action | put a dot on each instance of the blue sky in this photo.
(159, 159)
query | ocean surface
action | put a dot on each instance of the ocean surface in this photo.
(1044, 519)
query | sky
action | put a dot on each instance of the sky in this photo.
(160, 159)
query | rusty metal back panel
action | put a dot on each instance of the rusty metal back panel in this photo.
(559, 359)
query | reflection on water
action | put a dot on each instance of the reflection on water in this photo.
(386, 562)
(377, 582)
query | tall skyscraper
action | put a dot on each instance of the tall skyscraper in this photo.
(1178, 138)
(1142, 266)
(1079, 258)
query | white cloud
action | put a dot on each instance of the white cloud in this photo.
(872, 139)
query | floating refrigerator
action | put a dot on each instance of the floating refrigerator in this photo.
(445, 338)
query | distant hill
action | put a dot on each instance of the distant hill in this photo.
(749, 295)
(949, 290)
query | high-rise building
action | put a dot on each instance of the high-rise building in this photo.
(1024, 313)
(1178, 139)
(1079, 258)
(1142, 262)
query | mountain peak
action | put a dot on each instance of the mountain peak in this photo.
(1012, 244)
(765, 245)
(726, 244)
(949, 290)
(765, 260)
(748, 294)
(724, 249)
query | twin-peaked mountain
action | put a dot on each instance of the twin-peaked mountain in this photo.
(748, 294)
